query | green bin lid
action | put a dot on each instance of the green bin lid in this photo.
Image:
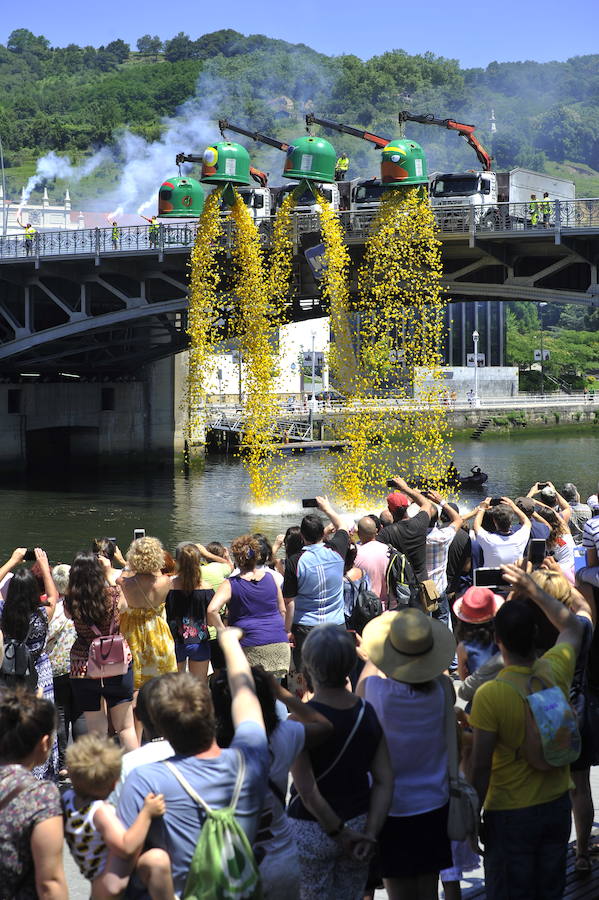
(403, 163)
(180, 197)
(311, 159)
(226, 163)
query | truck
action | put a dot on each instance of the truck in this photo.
(499, 199)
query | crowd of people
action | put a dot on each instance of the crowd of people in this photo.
(295, 701)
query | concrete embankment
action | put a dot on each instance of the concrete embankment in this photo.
(524, 418)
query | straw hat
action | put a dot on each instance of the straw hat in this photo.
(409, 646)
(477, 605)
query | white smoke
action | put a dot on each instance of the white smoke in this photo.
(53, 166)
(153, 201)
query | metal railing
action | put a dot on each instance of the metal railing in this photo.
(451, 219)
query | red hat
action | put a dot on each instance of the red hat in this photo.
(396, 500)
(478, 605)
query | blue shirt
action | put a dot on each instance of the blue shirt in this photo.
(213, 779)
(314, 578)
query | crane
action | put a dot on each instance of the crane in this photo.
(257, 175)
(225, 125)
(466, 131)
(379, 142)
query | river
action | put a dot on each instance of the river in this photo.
(63, 517)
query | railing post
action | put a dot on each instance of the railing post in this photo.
(471, 225)
(160, 242)
(558, 221)
(97, 245)
(37, 250)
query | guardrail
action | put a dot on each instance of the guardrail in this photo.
(451, 219)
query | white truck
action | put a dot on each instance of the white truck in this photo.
(499, 199)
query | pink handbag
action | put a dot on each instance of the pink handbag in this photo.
(108, 654)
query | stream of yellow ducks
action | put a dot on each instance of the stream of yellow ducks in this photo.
(394, 325)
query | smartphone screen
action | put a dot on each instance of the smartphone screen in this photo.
(310, 503)
(138, 533)
(537, 551)
(489, 577)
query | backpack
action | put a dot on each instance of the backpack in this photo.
(402, 587)
(364, 605)
(18, 665)
(223, 866)
(551, 735)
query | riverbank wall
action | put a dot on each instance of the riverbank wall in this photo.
(524, 418)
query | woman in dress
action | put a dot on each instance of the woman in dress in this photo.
(255, 604)
(342, 787)
(407, 653)
(24, 617)
(186, 605)
(143, 620)
(95, 606)
(31, 829)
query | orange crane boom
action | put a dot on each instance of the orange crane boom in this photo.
(466, 131)
(375, 139)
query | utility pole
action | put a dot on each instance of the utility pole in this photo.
(541, 306)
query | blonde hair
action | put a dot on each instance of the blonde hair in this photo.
(94, 765)
(145, 556)
(554, 583)
(60, 576)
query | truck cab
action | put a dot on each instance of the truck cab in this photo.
(365, 200)
(453, 190)
(257, 199)
(306, 202)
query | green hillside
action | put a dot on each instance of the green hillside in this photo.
(73, 100)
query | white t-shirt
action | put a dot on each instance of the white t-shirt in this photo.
(154, 751)
(413, 720)
(563, 552)
(501, 549)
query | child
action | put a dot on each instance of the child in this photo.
(105, 851)
(475, 612)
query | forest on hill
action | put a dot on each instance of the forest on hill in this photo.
(74, 99)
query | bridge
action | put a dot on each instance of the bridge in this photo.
(81, 301)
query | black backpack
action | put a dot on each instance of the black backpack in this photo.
(366, 606)
(18, 665)
(402, 587)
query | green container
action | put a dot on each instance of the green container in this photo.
(226, 163)
(311, 159)
(403, 163)
(180, 198)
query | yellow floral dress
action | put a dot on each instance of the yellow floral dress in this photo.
(150, 641)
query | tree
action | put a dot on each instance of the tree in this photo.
(24, 41)
(149, 46)
(179, 47)
(119, 49)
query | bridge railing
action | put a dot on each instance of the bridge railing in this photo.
(451, 219)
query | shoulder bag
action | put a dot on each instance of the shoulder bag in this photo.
(108, 654)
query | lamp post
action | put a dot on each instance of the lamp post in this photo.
(4, 211)
(475, 339)
(541, 305)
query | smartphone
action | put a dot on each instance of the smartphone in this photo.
(29, 556)
(490, 577)
(391, 483)
(537, 551)
(310, 503)
(113, 539)
(542, 484)
(138, 533)
(495, 501)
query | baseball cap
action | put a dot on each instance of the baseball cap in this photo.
(397, 500)
(526, 505)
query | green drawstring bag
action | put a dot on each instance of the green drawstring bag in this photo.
(223, 866)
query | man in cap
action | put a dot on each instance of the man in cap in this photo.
(527, 810)
(539, 530)
(408, 533)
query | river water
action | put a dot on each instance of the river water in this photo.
(213, 504)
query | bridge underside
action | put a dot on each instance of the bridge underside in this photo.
(112, 313)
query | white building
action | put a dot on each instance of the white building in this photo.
(44, 216)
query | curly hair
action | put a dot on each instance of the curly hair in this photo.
(22, 602)
(86, 599)
(145, 556)
(246, 552)
(60, 576)
(94, 765)
(189, 560)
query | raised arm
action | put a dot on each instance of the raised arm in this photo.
(316, 726)
(49, 586)
(127, 842)
(419, 499)
(327, 509)
(17, 557)
(522, 517)
(245, 706)
(565, 621)
(455, 519)
(213, 558)
(564, 506)
(480, 511)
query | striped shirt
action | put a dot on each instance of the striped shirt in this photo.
(590, 534)
(438, 541)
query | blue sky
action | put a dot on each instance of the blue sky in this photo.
(470, 32)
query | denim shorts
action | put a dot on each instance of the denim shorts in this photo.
(195, 652)
(88, 692)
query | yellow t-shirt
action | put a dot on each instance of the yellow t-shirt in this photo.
(497, 707)
(214, 574)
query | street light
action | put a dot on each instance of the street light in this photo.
(4, 210)
(475, 338)
(541, 305)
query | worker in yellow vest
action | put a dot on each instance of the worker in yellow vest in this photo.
(533, 209)
(115, 234)
(341, 167)
(545, 208)
(30, 233)
(153, 231)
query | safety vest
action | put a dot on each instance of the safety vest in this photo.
(545, 206)
(343, 163)
(30, 233)
(154, 226)
(534, 211)
(115, 233)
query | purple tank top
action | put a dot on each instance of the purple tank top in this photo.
(254, 607)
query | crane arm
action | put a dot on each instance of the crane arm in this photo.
(466, 131)
(225, 125)
(379, 142)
